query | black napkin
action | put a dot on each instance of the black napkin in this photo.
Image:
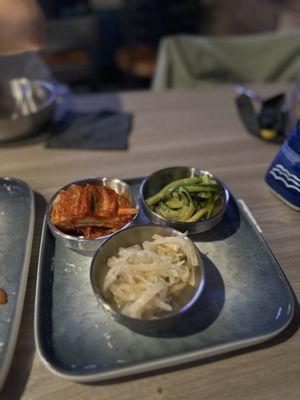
(272, 117)
(102, 130)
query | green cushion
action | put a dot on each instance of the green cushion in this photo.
(188, 61)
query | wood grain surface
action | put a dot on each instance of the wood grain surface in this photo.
(197, 128)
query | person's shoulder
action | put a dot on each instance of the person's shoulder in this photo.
(23, 26)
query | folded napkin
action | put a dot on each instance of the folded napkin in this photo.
(270, 123)
(103, 130)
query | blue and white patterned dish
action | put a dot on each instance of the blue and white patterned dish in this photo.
(283, 176)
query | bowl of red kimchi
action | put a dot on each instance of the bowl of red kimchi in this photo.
(85, 212)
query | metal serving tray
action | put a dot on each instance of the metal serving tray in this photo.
(16, 230)
(247, 300)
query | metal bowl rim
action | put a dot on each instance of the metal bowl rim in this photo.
(48, 101)
(65, 236)
(182, 223)
(166, 317)
(52, 93)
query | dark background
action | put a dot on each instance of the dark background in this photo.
(112, 44)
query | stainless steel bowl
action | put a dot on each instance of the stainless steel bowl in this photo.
(136, 235)
(155, 182)
(25, 106)
(87, 244)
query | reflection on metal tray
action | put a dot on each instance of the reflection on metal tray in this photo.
(16, 229)
(246, 301)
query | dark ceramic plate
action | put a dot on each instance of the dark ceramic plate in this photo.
(16, 230)
(246, 300)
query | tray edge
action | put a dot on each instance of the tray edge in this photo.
(22, 289)
(167, 361)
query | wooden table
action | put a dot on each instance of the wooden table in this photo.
(198, 128)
